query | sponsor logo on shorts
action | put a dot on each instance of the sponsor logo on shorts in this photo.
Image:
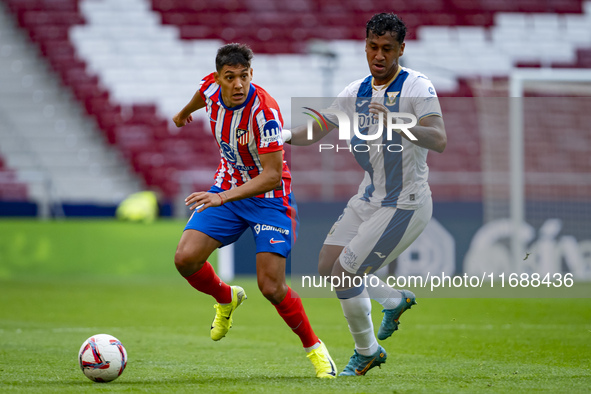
(332, 229)
(334, 226)
(275, 242)
(348, 258)
(266, 227)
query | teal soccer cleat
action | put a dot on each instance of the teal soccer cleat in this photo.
(360, 364)
(391, 318)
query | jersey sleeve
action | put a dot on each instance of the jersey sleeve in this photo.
(207, 87)
(424, 98)
(343, 103)
(267, 126)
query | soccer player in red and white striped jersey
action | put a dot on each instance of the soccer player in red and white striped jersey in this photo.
(252, 189)
(240, 143)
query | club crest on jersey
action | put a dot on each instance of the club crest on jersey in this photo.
(243, 136)
(391, 98)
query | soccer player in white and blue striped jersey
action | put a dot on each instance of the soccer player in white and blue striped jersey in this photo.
(393, 205)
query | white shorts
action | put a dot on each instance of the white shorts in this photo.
(374, 236)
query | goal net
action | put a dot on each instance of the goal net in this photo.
(535, 132)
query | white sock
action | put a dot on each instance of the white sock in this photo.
(388, 297)
(357, 311)
(315, 346)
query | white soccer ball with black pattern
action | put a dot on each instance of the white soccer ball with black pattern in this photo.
(102, 358)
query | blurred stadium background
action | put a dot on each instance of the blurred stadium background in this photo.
(88, 88)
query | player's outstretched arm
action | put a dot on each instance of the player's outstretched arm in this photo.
(184, 116)
(299, 135)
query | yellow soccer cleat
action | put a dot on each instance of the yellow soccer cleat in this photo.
(320, 358)
(223, 316)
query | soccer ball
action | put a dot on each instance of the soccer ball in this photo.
(102, 358)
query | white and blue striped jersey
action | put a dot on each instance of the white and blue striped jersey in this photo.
(394, 179)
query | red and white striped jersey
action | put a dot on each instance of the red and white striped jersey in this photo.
(243, 133)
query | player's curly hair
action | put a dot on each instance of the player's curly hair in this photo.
(233, 55)
(380, 24)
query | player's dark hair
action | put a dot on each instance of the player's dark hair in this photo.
(383, 23)
(233, 55)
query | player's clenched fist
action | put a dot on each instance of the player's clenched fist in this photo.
(181, 121)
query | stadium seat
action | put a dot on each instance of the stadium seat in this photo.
(13, 191)
(104, 66)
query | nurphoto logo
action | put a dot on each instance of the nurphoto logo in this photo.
(394, 121)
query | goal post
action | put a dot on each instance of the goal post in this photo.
(535, 154)
(518, 82)
(226, 262)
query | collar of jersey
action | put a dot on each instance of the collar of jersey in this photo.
(387, 83)
(250, 93)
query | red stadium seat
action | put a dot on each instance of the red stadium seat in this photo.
(13, 191)
(158, 151)
(17, 6)
(192, 32)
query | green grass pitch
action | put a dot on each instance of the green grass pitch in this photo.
(64, 281)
